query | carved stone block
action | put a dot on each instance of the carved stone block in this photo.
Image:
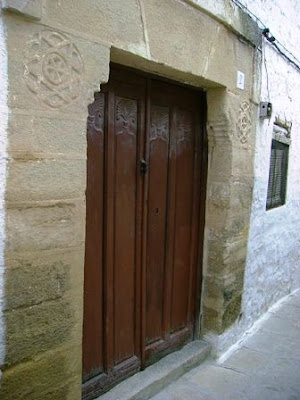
(53, 68)
(28, 8)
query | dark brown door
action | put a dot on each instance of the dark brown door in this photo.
(145, 176)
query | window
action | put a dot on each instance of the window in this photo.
(278, 167)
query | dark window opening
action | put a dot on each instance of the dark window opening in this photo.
(278, 174)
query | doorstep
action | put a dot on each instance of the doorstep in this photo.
(147, 383)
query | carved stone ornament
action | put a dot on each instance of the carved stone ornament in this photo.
(244, 121)
(53, 69)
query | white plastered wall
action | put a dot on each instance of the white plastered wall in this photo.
(273, 266)
(3, 147)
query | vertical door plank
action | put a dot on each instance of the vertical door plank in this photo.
(171, 187)
(93, 275)
(195, 222)
(125, 227)
(184, 133)
(109, 234)
(144, 208)
(157, 212)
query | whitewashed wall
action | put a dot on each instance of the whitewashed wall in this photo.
(273, 260)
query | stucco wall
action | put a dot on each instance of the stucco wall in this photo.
(272, 268)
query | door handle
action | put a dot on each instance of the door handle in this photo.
(143, 166)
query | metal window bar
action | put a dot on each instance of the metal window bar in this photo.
(278, 175)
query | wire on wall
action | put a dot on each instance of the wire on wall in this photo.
(269, 37)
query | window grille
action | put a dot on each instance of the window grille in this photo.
(278, 173)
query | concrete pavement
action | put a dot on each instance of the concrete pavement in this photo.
(265, 367)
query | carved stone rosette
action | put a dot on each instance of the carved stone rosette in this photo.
(53, 68)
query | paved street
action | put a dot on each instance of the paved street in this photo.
(265, 367)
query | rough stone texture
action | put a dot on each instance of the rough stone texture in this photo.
(3, 157)
(228, 204)
(45, 218)
(265, 366)
(118, 23)
(38, 277)
(46, 177)
(229, 14)
(29, 8)
(21, 36)
(46, 376)
(272, 268)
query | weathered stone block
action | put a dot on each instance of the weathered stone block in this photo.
(242, 193)
(211, 320)
(239, 20)
(62, 137)
(34, 278)
(29, 8)
(36, 329)
(234, 229)
(219, 195)
(169, 38)
(232, 311)
(47, 376)
(42, 226)
(35, 87)
(242, 161)
(50, 179)
(121, 23)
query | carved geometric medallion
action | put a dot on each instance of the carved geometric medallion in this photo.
(244, 121)
(126, 116)
(53, 68)
(159, 123)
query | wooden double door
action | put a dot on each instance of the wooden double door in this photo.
(145, 193)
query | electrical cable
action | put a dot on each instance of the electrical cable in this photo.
(266, 33)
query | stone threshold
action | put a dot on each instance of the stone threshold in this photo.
(147, 383)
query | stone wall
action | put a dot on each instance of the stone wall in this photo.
(58, 55)
(272, 269)
(3, 157)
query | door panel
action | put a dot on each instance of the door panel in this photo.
(124, 227)
(142, 225)
(157, 212)
(93, 294)
(184, 137)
